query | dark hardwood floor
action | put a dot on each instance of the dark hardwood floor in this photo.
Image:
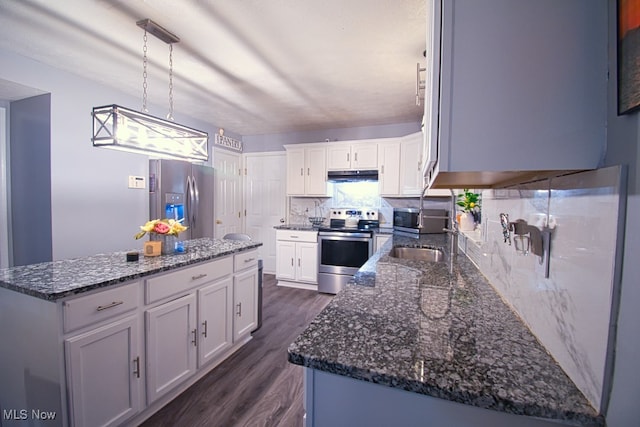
(256, 386)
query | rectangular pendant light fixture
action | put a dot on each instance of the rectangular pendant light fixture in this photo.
(124, 129)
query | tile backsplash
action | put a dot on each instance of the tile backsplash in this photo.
(357, 194)
(570, 311)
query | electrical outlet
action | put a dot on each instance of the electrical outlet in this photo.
(137, 182)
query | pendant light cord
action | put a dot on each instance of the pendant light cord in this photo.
(170, 115)
(144, 73)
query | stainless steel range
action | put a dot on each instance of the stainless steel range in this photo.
(344, 246)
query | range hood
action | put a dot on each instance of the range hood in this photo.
(352, 175)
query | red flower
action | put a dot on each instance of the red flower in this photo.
(161, 228)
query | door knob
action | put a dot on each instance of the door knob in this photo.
(281, 220)
(218, 221)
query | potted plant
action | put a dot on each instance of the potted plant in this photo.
(469, 203)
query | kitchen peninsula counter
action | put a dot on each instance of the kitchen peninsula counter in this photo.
(437, 330)
(58, 279)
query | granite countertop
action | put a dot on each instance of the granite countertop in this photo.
(441, 330)
(59, 279)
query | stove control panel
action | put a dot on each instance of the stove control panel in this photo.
(358, 213)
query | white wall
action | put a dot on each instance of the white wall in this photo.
(92, 210)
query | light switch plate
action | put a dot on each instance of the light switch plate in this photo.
(137, 182)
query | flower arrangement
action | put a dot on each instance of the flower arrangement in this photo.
(165, 226)
(468, 201)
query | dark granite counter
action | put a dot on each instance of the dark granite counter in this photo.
(58, 279)
(441, 330)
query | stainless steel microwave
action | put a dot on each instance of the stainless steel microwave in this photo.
(407, 219)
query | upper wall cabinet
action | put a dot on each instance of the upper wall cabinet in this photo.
(515, 90)
(346, 155)
(306, 170)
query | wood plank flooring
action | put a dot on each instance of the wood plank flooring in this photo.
(256, 386)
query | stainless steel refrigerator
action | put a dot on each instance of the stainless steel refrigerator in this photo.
(182, 191)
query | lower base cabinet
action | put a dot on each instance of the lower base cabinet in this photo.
(103, 367)
(215, 320)
(245, 303)
(171, 345)
(297, 256)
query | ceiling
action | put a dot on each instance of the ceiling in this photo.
(250, 66)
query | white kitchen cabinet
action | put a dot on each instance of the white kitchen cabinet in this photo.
(245, 294)
(389, 168)
(411, 178)
(354, 155)
(513, 102)
(171, 334)
(297, 258)
(104, 374)
(215, 321)
(245, 303)
(306, 170)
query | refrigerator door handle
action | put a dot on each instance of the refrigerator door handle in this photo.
(196, 200)
(189, 201)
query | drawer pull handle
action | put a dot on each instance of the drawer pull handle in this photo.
(204, 326)
(136, 369)
(195, 337)
(199, 276)
(249, 259)
(113, 304)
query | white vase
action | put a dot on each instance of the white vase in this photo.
(467, 222)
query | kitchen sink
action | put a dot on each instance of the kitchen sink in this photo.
(417, 253)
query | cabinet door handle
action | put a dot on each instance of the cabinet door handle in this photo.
(308, 171)
(291, 262)
(347, 157)
(298, 262)
(113, 304)
(195, 337)
(382, 169)
(239, 312)
(204, 327)
(199, 276)
(136, 367)
(355, 157)
(301, 171)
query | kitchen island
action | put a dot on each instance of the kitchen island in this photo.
(102, 341)
(429, 343)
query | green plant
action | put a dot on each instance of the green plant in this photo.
(468, 201)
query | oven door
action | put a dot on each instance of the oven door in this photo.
(343, 253)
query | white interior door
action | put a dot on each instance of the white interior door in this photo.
(228, 197)
(266, 198)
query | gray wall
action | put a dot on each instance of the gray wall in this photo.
(92, 210)
(622, 148)
(274, 142)
(30, 203)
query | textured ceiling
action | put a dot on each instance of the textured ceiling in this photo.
(250, 66)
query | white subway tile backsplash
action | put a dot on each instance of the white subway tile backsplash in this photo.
(570, 311)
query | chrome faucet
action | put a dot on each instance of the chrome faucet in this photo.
(453, 225)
